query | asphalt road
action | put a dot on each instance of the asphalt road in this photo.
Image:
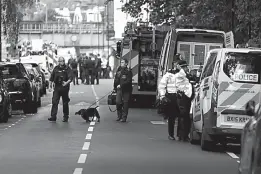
(31, 145)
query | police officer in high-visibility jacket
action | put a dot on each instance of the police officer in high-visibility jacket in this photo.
(185, 94)
(61, 77)
(168, 87)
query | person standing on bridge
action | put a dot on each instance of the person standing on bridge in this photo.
(123, 87)
(61, 77)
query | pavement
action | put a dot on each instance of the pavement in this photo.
(32, 145)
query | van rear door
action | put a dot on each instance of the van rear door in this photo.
(240, 82)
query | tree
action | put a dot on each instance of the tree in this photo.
(11, 16)
(240, 16)
(51, 15)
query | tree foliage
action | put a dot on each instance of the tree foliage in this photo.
(12, 14)
(51, 15)
(243, 17)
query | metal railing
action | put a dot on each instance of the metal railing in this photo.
(85, 28)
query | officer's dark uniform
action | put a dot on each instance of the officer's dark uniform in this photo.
(74, 66)
(124, 79)
(97, 69)
(59, 75)
(80, 61)
(184, 104)
(89, 66)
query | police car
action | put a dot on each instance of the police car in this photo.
(230, 78)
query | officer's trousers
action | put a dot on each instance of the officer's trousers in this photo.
(98, 75)
(172, 112)
(122, 103)
(87, 73)
(60, 91)
(184, 104)
(75, 76)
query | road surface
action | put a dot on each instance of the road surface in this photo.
(32, 145)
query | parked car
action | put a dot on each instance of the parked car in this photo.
(36, 80)
(20, 87)
(40, 75)
(5, 103)
(47, 75)
(250, 157)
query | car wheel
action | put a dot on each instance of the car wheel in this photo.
(4, 115)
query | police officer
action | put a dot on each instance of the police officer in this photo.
(97, 69)
(185, 94)
(74, 67)
(123, 87)
(61, 77)
(168, 96)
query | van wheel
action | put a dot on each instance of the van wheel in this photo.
(206, 143)
(194, 137)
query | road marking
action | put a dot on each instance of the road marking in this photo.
(9, 126)
(158, 122)
(86, 146)
(82, 158)
(78, 171)
(90, 129)
(238, 161)
(88, 136)
(232, 155)
(13, 124)
(95, 118)
(5, 128)
(92, 123)
(82, 104)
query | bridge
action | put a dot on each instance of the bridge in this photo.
(91, 35)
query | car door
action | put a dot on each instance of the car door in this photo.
(203, 94)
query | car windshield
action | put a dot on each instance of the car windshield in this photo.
(243, 67)
(10, 71)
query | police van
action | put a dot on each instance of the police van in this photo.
(230, 78)
(193, 46)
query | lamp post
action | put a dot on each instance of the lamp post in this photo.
(98, 23)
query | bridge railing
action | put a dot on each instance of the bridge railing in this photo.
(86, 28)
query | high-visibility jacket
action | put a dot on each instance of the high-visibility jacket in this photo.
(171, 83)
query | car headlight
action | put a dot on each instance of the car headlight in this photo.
(1, 97)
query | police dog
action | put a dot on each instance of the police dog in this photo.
(89, 113)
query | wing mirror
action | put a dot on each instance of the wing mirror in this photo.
(250, 108)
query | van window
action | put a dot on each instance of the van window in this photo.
(210, 65)
(243, 67)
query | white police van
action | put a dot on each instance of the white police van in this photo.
(230, 78)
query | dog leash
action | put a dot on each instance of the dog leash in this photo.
(110, 93)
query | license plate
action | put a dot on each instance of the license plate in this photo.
(236, 119)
